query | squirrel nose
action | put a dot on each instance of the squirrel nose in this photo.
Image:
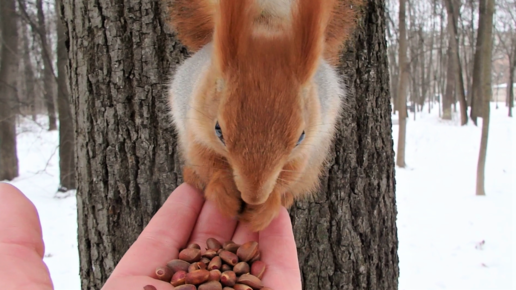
(257, 195)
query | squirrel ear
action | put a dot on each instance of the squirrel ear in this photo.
(309, 25)
(233, 27)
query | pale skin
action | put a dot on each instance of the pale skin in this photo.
(184, 218)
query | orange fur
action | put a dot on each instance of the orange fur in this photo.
(259, 88)
(194, 22)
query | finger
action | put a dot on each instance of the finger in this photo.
(212, 224)
(21, 243)
(19, 220)
(278, 252)
(243, 234)
(168, 231)
(136, 283)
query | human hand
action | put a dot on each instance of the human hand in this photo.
(187, 218)
(22, 248)
(21, 243)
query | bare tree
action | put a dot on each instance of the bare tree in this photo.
(453, 6)
(28, 72)
(485, 88)
(49, 76)
(8, 73)
(402, 85)
(507, 39)
(66, 128)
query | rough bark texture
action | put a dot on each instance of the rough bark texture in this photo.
(8, 72)
(486, 93)
(347, 236)
(121, 53)
(66, 129)
(402, 85)
(48, 71)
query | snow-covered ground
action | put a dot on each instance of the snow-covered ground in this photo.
(448, 237)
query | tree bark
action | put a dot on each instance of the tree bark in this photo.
(487, 94)
(48, 71)
(66, 128)
(8, 73)
(402, 85)
(121, 54)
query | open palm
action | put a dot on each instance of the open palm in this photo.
(184, 218)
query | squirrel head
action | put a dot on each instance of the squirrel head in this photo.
(264, 100)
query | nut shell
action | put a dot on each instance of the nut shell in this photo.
(228, 278)
(213, 244)
(247, 251)
(241, 287)
(186, 287)
(214, 275)
(213, 285)
(258, 268)
(190, 255)
(250, 280)
(215, 263)
(241, 268)
(178, 278)
(178, 265)
(228, 257)
(197, 277)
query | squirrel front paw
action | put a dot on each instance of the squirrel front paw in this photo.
(225, 195)
(260, 216)
(191, 177)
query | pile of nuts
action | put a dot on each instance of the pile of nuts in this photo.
(227, 266)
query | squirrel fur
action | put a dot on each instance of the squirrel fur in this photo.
(256, 105)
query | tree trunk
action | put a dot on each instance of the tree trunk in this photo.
(451, 80)
(28, 73)
(402, 85)
(8, 73)
(128, 162)
(476, 90)
(453, 15)
(48, 71)
(66, 129)
(487, 93)
(510, 85)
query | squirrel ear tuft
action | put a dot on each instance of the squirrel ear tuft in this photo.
(233, 28)
(309, 25)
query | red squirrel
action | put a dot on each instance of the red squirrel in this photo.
(256, 105)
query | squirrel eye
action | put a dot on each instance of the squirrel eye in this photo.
(218, 132)
(301, 138)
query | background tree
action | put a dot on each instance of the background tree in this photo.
(8, 93)
(455, 72)
(66, 129)
(121, 56)
(404, 74)
(48, 70)
(485, 90)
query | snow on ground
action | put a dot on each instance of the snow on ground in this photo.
(448, 237)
